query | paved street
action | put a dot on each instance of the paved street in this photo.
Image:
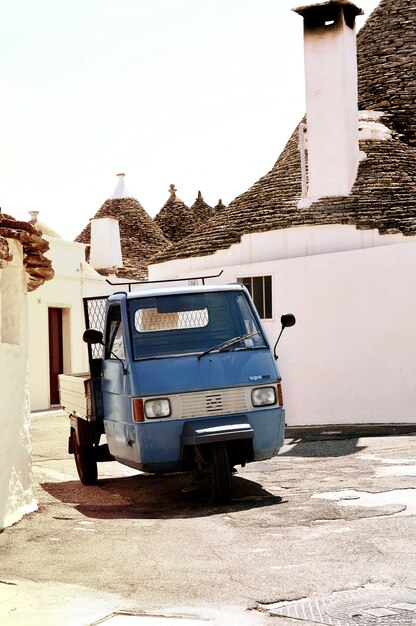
(323, 534)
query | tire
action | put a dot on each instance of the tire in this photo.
(85, 462)
(219, 473)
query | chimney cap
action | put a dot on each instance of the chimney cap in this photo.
(305, 9)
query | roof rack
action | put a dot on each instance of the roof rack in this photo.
(166, 280)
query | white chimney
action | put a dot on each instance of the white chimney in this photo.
(120, 190)
(331, 97)
(105, 251)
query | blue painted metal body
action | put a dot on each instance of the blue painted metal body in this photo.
(157, 445)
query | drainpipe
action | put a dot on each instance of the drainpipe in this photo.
(302, 150)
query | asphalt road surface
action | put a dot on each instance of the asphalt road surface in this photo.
(323, 534)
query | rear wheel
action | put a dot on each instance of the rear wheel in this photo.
(85, 462)
(219, 473)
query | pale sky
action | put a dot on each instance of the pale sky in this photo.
(200, 93)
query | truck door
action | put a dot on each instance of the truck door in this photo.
(115, 385)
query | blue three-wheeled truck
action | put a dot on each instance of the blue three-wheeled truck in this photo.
(181, 379)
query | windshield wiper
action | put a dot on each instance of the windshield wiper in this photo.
(227, 344)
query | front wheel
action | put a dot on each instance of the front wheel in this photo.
(85, 462)
(219, 473)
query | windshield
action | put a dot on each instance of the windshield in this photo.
(192, 323)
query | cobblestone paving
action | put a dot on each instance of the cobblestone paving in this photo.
(362, 607)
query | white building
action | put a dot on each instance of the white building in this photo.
(330, 232)
(56, 317)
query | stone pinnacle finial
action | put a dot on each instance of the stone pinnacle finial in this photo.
(33, 217)
(172, 192)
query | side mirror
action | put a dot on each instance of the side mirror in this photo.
(287, 320)
(92, 336)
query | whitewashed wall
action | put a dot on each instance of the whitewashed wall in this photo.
(16, 498)
(289, 243)
(73, 280)
(351, 358)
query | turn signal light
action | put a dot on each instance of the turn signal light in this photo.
(138, 412)
(280, 393)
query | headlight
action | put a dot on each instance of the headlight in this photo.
(263, 396)
(159, 407)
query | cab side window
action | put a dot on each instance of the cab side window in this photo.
(115, 334)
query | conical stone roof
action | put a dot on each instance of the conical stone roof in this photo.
(175, 218)
(386, 54)
(383, 196)
(219, 207)
(201, 210)
(140, 237)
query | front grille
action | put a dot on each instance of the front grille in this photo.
(214, 403)
(218, 402)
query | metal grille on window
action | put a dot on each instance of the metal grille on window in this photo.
(94, 313)
(260, 289)
(150, 320)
